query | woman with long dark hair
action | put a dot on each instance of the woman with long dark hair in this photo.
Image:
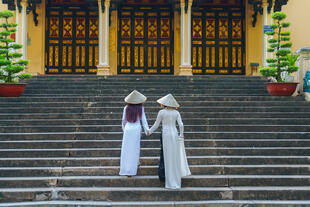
(133, 114)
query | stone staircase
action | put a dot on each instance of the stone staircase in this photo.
(60, 143)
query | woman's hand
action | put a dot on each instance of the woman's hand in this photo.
(147, 133)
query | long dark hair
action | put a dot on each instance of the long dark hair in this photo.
(133, 112)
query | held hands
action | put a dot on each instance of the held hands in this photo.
(181, 138)
(147, 133)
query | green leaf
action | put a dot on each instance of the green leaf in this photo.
(4, 51)
(270, 50)
(16, 46)
(273, 26)
(8, 40)
(285, 24)
(285, 34)
(25, 76)
(274, 45)
(292, 69)
(278, 16)
(271, 60)
(283, 52)
(272, 41)
(4, 62)
(15, 55)
(270, 33)
(268, 71)
(287, 45)
(6, 14)
(23, 62)
(5, 33)
(285, 38)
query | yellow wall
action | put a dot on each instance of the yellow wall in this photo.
(177, 43)
(253, 39)
(113, 43)
(298, 14)
(36, 39)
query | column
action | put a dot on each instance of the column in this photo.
(186, 39)
(24, 26)
(265, 38)
(304, 66)
(104, 67)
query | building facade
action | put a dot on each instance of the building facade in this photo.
(176, 37)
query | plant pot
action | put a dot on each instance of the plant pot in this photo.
(281, 89)
(12, 89)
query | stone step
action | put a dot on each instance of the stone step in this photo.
(145, 81)
(212, 203)
(149, 91)
(109, 98)
(150, 152)
(192, 121)
(146, 85)
(153, 181)
(114, 161)
(147, 77)
(152, 170)
(155, 104)
(188, 128)
(156, 193)
(64, 110)
(118, 135)
(227, 93)
(153, 115)
(59, 144)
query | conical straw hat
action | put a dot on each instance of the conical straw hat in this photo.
(135, 97)
(168, 100)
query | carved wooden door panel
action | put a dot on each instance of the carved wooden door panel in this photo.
(71, 41)
(145, 41)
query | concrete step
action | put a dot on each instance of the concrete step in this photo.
(156, 193)
(155, 104)
(193, 121)
(185, 115)
(188, 128)
(212, 203)
(119, 98)
(114, 161)
(153, 181)
(152, 170)
(118, 135)
(150, 152)
(148, 143)
(64, 110)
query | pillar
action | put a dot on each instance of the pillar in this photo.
(265, 38)
(186, 39)
(304, 66)
(104, 67)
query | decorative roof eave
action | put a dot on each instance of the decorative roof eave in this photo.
(257, 7)
(31, 7)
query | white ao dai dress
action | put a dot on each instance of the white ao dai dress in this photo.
(176, 165)
(130, 153)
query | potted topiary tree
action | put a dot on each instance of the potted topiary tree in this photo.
(283, 63)
(11, 67)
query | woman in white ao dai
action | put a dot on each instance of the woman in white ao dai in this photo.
(133, 114)
(175, 160)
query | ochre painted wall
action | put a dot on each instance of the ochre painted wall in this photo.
(177, 42)
(253, 38)
(113, 42)
(36, 42)
(298, 14)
